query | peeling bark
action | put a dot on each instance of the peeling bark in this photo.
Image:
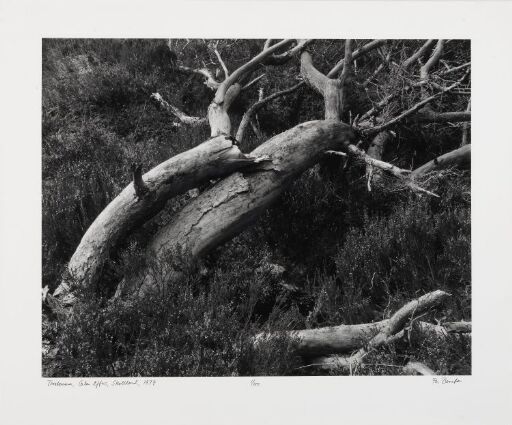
(233, 203)
(218, 116)
(214, 158)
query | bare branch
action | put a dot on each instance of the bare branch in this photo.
(256, 130)
(222, 64)
(259, 77)
(454, 69)
(347, 60)
(385, 166)
(411, 111)
(184, 118)
(358, 53)
(246, 68)
(378, 107)
(434, 58)
(386, 335)
(457, 157)
(337, 153)
(210, 82)
(280, 59)
(399, 173)
(258, 105)
(417, 55)
(329, 88)
(382, 65)
(311, 75)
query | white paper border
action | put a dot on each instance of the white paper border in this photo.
(485, 397)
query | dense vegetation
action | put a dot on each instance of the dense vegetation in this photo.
(328, 253)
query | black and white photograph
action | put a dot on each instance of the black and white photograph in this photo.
(256, 207)
(266, 212)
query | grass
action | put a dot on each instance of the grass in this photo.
(345, 255)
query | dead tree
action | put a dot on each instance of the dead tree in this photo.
(249, 183)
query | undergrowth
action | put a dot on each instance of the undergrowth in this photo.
(327, 253)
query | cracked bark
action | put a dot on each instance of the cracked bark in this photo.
(212, 159)
(233, 203)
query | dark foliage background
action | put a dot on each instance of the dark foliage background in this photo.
(329, 252)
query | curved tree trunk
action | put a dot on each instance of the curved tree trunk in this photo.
(229, 206)
(141, 200)
(138, 202)
(233, 203)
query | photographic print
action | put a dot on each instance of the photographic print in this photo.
(256, 207)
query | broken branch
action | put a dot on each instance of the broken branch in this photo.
(210, 82)
(184, 118)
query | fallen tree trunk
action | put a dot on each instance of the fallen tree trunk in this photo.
(335, 361)
(320, 344)
(456, 158)
(232, 204)
(175, 176)
(393, 326)
(344, 339)
(141, 200)
(328, 340)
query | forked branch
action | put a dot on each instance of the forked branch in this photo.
(247, 68)
(386, 335)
